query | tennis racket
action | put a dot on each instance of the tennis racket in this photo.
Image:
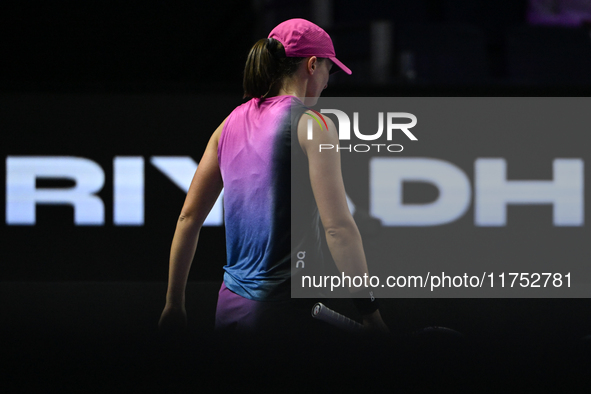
(324, 313)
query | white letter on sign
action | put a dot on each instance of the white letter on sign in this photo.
(22, 194)
(387, 176)
(128, 191)
(493, 192)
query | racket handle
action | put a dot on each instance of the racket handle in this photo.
(324, 313)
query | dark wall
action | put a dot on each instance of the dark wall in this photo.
(122, 45)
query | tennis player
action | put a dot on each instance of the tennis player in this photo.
(249, 155)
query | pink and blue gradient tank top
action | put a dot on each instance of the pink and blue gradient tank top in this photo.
(254, 154)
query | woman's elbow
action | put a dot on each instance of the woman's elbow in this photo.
(187, 217)
(343, 231)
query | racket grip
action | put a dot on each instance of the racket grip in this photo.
(324, 313)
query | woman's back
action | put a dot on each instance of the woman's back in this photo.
(254, 158)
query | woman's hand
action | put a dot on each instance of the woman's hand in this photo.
(173, 319)
(374, 322)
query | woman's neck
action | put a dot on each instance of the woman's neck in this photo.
(293, 87)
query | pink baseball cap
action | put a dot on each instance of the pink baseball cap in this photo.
(302, 38)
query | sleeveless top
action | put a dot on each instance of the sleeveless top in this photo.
(255, 159)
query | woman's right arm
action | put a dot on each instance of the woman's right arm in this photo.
(204, 190)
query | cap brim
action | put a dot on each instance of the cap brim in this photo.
(340, 66)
